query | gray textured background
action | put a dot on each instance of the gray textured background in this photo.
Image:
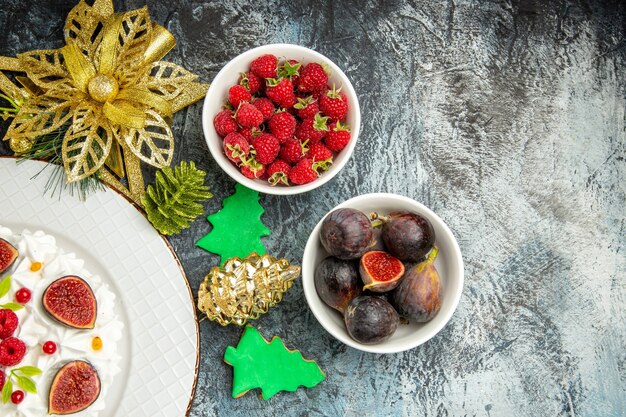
(507, 119)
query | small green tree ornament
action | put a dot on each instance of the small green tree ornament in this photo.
(237, 227)
(173, 202)
(270, 366)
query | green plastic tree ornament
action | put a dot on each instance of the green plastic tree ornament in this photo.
(270, 366)
(237, 227)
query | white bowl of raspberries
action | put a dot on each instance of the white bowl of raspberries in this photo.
(281, 119)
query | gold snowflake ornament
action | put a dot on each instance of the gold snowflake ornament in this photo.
(108, 84)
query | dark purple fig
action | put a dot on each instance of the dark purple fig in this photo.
(8, 255)
(346, 233)
(370, 320)
(337, 282)
(408, 236)
(380, 271)
(377, 239)
(74, 388)
(418, 297)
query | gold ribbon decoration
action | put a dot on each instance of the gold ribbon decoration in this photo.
(109, 81)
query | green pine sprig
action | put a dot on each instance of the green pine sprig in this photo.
(22, 378)
(5, 286)
(173, 202)
(48, 148)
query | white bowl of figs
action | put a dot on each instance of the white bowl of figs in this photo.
(382, 273)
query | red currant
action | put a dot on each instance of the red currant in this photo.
(17, 397)
(23, 295)
(49, 347)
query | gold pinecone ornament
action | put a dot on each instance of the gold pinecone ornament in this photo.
(243, 289)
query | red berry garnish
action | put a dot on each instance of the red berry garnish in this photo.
(49, 347)
(17, 397)
(23, 295)
(12, 351)
(3, 378)
(8, 323)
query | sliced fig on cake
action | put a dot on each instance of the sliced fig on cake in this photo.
(71, 301)
(380, 271)
(74, 388)
(8, 255)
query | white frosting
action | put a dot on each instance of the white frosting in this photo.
(36, 327)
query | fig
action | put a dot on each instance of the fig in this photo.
(380, 271)
(337, 282)
(8, 255)
(71, 301)
(74, 388)
(346, 233)
(370, 320)
(377, 239)
(408, 236)
(418, 297)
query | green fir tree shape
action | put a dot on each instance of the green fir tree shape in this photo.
(237, 227)
(270, 366)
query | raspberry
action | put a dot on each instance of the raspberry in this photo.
(281, 92)
(12, 351)
(8, 323)
(319, 152)
(253, 171)
(306, 107)
(303, 172)
(248, 116)
(236, 147)
(334, 104)
(290, 69)
(283, 126)
(292, 151)
(265, 106)
(313, 77)
(251, 82)
(312, 129)
(225, 123)
(278, 172)
(3, 378)
(249, 133)
(338, 137)
(238, 94)
(264, 66)
(266, 147)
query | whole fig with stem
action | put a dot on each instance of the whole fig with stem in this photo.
(408, 236)
(418, 297)
(346, 233)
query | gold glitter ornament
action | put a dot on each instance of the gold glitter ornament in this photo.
(243, 289)
(103, 87)
(109, 82)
